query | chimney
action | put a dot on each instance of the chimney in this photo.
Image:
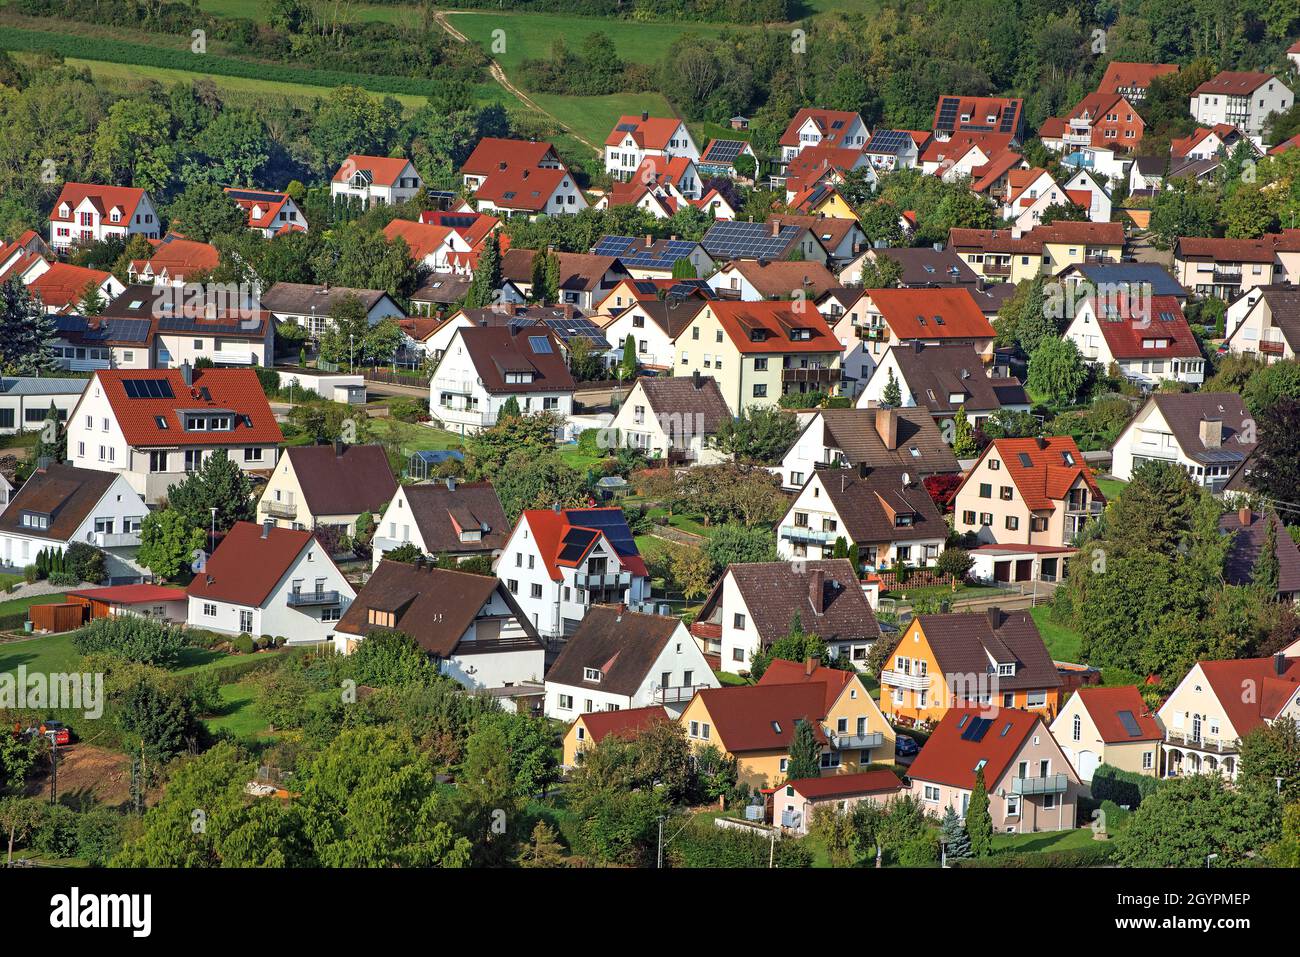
(266, 528)
(810, 665)
(187, 373)
(917, 346)
(1211, 433)
(501, 165)
(816, 581)
(1279, 664)
(339, 447)
(776, 227)
(887, 427)
(526, 172)
(864, 469)
(1040, 441)
(1243, 516)
(649, 240)
(995, 617)
(645, 115)
(695, 378)
(451, 484)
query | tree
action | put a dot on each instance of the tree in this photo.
(1272, 752)
(805, 753)
(1264, 575)
(91, 300)
(1276, 471)
(219, 483)
(18, 818)
(532, 481)
(160, 722)
(1189, 818)
(963, 435)
(979, 825)
(542, 849)
(1184, 210)
(881, 272)
(732, 544)
(486, 451)
(133, 147)
(1056, 370)
(956, 841)
(627, 366)
(27, 332)
(892, 396)
(204, 211)
(487, 275)
(761, 434)
(168, 542)
(52, 442)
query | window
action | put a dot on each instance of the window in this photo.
(1036, 699)
(1077, 729)
(245, 620)
(760, 391)
(986, 490)
(932, 794)
(1005, 493)
(331, 614)
(209, 610)
(535, 590)
(591, 674)
(986, 518)
(1148, 760)
(738, 621)
(566, 702)
(968, 518)
(1013, 805)
(737, 654)
(1013, 523)
(513, 585)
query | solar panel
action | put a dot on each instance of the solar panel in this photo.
(540, 345)
(723, 151)
(1008, 120)
(611, 523)
(148, 388)
(1130, 724)
(129, 386)
(250, 194)
(888, 141)
(742, 240)
(575, 544)
(948, 107)
(978, 728)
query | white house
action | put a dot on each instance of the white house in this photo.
(557, 563)
(311, 306)
(812, 127)
(376, 179)
(61, 286)
(1148, 338)
(458, 519)
(484, 367)
(1206, 434)
(60, 505)
(263, 580)
(1098, 205)
(620, 659)
(269, 214)
(1242, 99)
(86, 213)
(673, 418)
(636, 137)
(25, 401)
(469, 625)
(1266, 323)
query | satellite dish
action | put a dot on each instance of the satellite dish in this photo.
(907, 480)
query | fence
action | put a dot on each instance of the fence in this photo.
(914, 578)
(394, 377)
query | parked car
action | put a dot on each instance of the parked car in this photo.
(62, 733)
(905, 747)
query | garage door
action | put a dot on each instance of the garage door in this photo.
(1087, 763)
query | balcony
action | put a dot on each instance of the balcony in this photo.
(455, 386)
(1091, 509)
(592, 582)
(1229, 276)
(802, 533)
(300, 599)
(1202, 742)
(815, 375)
(900, 679)
(1051, 784)
(287, 510)
(677, 694)
(114, 540)
(997, 269)
(871, 333)
(848, 742)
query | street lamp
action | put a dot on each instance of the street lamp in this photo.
(213, 540)
(1209, 858)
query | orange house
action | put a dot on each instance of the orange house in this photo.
(993, 658)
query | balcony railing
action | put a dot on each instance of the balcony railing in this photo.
(802, 533)
(456, 386)
(997, 269)
(817, 375)
(1091, 508)
(900, 679)
(847, 742)
(870, 332)
(300, 598)
(281, 509)
(1051, 784)
(677, 694)
(114, 540)
(1202, 742)
(605, 580)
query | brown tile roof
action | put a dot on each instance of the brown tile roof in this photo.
(934, 373)
(304, 299)
(964, 642)
(1105, 705)
(853, 432)
(492, 151)
(437, 508)
(869, 504)
(948, 758)
(581, 272)
(763, 717)
(1248, 542)
(830, 123)
(1070, 231)
(835, 786)
(1120, 75)
(1183, 412)
(623, 723)
(65, 494)
(1233, 83)
(782, 279)
(698, 402)
(359, 480)
(775, 592)
(249, 563)
(621, 644)
(829, 230)
(435, 606)
(993, 241)
(494, 351)
(1261, 250)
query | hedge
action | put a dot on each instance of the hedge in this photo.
(1095, 855)
(1125, 788)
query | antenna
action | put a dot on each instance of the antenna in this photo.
(907, 480)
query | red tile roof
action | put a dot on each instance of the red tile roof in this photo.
(474, 228)
(624, 723)
(763, 717)
(236, 390)
(104, 199)
(817, 162)
(947, 152)
(835, 786)
(1133, 335)
(1184, 145)
(269, 203)
(131, 594)
(1120, 75)
(1233, 83)
(178, 257)
(782, 672)
(492, 151)
(825, 121)
(948, 758)
(526, 187)
(422, 239)
(1291, 144)
(549, 528)
(246, 567)
(1047, 477)
(651, 132)
(383, 170)
(1272, 691)
(766, 327)
(979, 109)
(1104, 705)
(915, 313)
(62, 284)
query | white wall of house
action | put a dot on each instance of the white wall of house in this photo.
(1247, 112)
(457, 395)
(89, 225)
(404, 187)
(26, 413)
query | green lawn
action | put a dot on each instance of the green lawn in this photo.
(1063, 643)
(1111, 488)
(1042, 841)
(572, 455)
(593, 117)
(908, 594)
(257, 10)
(46, 654)
(240, 716)
(414, 436)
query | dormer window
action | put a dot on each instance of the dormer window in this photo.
(592, 674)
(518, 378)
(1006, 670)
(385, 619)
(905, 520)
(35, 520)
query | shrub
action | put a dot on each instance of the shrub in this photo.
(1096, 855)
(243, 644)
(85, 562)
(1125, 788)
(131, 638)
(64, 579)
(31, 574)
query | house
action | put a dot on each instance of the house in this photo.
(183, 324)
(795, 802)
(376, 179)
(585, 279)
(932, 315)
(173, 262)
(654, 318)
(1208, 714)
(1045, 493)
(494, 154)
(715, 204)
(588, 730)
(1225, 268)
(1146, 337)
(1242, 99)
(997, 255)
(978, 114)
(892, 149)
(1249, 530)
(61, 505)
(824, 201)
(1088, 191)
(811, 127)
(1106, 119)
(756, 724)
(20, 255)
(878, 438)
(820, 167)
(1030, 782)
(719, 158)
(1109, 725)
(1293, 54)
(995, 564)
(1132, 80)
(529, 192)
(673, 418)
(157, 427)
(87, 213)
(558, 563)
(62, 286)
(918, 266)
(1029, 193)
(263, 580)
(753, 605)
(942, 378)
(621, 660)
(636, 137)
(841, 237)
(471, 627)
(269, 214)
(660, 185)
(759, 351)
(430, 304)
(753, 280)
(86, 343)
(25, 401)
(159, 602)
(312, 306)
(650, 258)
(440, 249)
(984, 157)
(327, 485)
(1209, 142)
(1206, 434)
(885, 512)
(773, 240)
(485, 367)
(1108, 280)
(458, 519)
(1270, 328)
(1108, 165)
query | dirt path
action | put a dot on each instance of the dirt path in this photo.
(499, 75)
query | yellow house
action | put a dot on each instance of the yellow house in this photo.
(327, 485)
(755, 724)
(1109, 726)
(992, 657)
(828, 203)
(759, 351)
(588, 730)
(1067, 243)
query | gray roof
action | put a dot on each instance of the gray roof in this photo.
(1184, 411)
(621, 644)
(963, 643)
(927, 266)
(1248, 541)
(35, 385)
(853, 432)
(868, 504)
(303, 299)
(933, 373)
(1162, 284)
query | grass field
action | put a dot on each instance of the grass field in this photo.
(1063, 643)
(1111, 488)
(257, 10)
(592, 117)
